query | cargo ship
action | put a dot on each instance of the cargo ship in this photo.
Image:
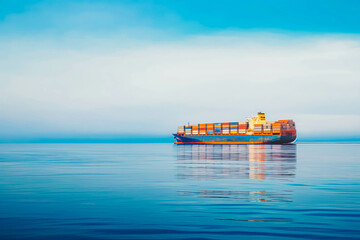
(256, 130)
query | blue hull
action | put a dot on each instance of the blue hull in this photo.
(234, 139)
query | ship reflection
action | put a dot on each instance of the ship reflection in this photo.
(249, 196)
(250, 162)
(236, 162)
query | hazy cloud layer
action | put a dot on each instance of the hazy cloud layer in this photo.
(109, 68)
(151, 88)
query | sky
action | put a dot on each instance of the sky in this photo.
(135, 69)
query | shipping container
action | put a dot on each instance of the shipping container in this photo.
(209, 126)
(181, 129)
(276, 127)
(258, 128)
(217, 131)
(225, 126)
(217, 128)
(188, 130)
(195, 130)
(243, 125)
(267, 126)
(234, 127)
(202, 129)
(242, 131)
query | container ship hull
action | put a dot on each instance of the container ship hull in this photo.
(234, 139)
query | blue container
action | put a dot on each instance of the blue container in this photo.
(210, 132)
(217, 131)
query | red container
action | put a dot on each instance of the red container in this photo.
(243, 126)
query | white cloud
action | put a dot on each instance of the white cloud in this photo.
(152, 88)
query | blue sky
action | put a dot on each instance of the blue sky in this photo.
(110, 69)
(189, 17)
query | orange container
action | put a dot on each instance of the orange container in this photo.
(258, 128)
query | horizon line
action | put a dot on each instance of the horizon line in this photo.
(153, 139)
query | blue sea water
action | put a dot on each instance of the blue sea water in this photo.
(165, 191)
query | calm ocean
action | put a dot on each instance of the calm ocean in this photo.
(165, 191)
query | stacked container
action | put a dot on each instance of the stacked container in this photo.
(276, 127)
(280, 127)
(225, 128)
(202, 128)
(181, 129)
(284, 124)
(267, 128)
(290, 124)
(188, 130)
(210, 128)
(242, 127)
(195, 130)
(234, 127)
(258, 128)
(285, 127)
(217, 128)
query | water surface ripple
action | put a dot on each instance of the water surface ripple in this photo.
(164, 191)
